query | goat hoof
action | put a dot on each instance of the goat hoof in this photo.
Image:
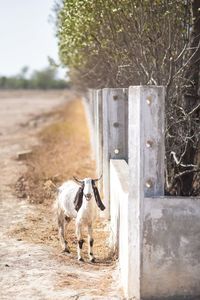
(80, 259)
(92, 260)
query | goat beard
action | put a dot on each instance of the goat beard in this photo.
(98, 198)
(78, 199)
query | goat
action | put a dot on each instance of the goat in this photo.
(74, 202)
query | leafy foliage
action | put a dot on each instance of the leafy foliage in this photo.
(117, 43)
(123, 39)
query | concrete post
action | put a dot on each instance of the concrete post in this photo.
(93, 109)
(115, 134)
(88, 105)
(99, 137)
(95, 116)
(146, 170)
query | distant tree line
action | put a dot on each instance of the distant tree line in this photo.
(44, 79)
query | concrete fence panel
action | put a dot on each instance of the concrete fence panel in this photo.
(88, 102)
(157, 237)
(99, 136)
(115, 133)
(171, 248)
(119, 218)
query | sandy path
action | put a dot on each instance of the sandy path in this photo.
(29, 271)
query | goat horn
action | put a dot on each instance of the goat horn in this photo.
(77, 180)
(97, 179)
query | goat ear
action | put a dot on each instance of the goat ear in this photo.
(78, 199)
(98, 198)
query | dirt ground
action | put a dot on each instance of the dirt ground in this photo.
(31, 264)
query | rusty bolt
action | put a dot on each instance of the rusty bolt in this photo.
(149, 184)
(116, 124)
(149, 144)
(149, 100)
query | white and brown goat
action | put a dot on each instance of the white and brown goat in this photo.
(76, 200)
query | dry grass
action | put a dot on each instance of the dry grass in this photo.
(45, 94)
(68, 145)
(64, 152)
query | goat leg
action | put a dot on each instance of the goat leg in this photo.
(80, 242)
(61, 232)
(90, 244)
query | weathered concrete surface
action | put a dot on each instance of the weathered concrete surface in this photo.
(115, 133)
(146, 138)
(119, 218)
(164, 232)
(98, 128)
(171, 248)
(93, 109)
(89, 111)
(118, 196)
(146, 167)
(158, 238)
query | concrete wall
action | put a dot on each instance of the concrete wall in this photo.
(107, 114)
(146, 167)
(89, 111)
(118, 196)
(171, 248)
(98, 135)
(119, 226)
(170, 245)
(157, 237)
(115, 133)
(163, 274)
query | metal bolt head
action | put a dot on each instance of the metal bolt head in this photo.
(149, 184)
(116, 124)
(149, 144)
(149, 100)
(116, 151)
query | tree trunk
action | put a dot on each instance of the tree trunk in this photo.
(191, 94)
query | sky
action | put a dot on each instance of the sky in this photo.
(27, 37)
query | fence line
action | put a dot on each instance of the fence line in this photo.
(157, 237)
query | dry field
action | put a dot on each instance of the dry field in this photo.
(53, 126)
(64, 151)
